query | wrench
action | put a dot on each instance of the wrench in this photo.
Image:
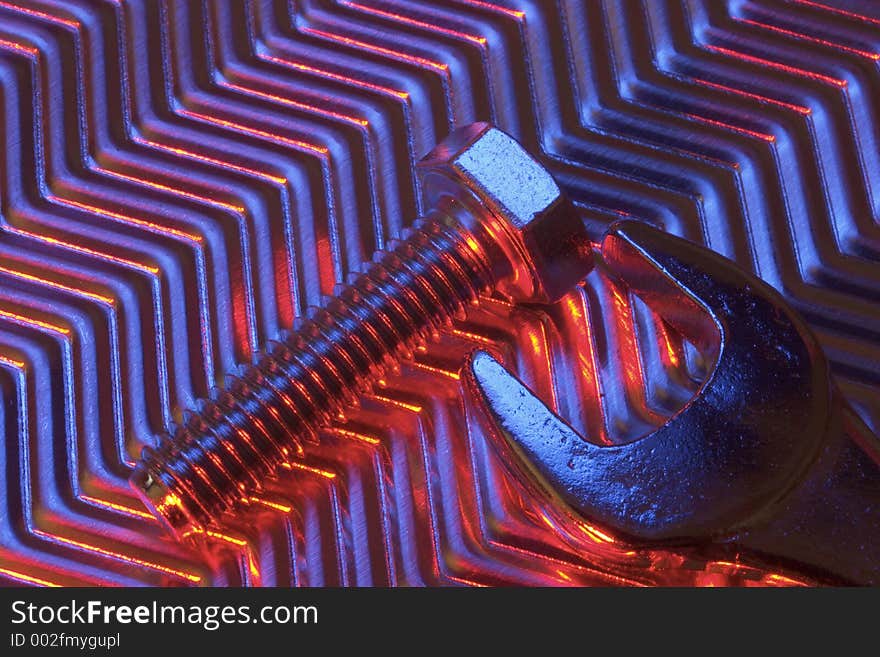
(766, 457)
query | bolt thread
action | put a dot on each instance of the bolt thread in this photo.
(237, 439)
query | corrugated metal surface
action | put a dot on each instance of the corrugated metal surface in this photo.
(180, 179)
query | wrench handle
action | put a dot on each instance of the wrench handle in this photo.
(830, 521)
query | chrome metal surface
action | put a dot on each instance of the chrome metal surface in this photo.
(180, 179)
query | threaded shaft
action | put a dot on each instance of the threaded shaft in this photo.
(245, 432)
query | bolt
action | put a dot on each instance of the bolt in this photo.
(499, 222)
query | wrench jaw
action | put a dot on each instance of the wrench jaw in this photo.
(635, 255)
(761, 416)
(532, 440)
(721, 465)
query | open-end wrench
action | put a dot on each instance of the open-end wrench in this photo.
(766, 457)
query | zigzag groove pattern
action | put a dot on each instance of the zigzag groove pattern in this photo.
(180, 179)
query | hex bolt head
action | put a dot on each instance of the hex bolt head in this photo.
(538, 244)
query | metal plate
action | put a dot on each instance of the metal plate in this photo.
(180, 179)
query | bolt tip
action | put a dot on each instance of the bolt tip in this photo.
(164, 504)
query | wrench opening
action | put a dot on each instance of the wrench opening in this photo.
(737, 447)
